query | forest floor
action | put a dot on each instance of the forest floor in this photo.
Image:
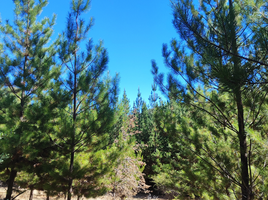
(39, 195)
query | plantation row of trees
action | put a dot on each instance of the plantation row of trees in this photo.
(62, 126)
(64, 130)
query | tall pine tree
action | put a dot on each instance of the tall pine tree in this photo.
(27, 69)
(89, 114)
(225, 55)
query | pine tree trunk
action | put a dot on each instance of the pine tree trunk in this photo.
(48, 193)
(11, 180)
(70, 189)
(245, 189)
(31, 195)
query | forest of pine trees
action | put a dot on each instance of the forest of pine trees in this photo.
(64, 129)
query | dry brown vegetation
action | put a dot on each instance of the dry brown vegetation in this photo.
(40, 195)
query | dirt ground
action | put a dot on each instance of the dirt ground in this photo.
(39, 195)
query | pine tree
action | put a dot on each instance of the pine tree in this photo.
(187, 163)
(89, 114)
(138, 103)
(27, 69)
(225, 55)
(154, 96)
(145, 135)
(127, 177)
(121, 117)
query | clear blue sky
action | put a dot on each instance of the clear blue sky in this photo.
(132, 31)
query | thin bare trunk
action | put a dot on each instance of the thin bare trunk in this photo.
(70, 189)
(11, 180)
(31, 194)
(48, 193)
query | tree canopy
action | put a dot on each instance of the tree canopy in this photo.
(64, 129)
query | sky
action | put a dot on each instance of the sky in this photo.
(133, 33)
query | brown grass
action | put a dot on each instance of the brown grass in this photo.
(40, 195)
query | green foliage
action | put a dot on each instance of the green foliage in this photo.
(144, 133)
(219, 76)
(54, 125)
(184, 165)
(27, 74)
(87, 119)
(62, 128)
